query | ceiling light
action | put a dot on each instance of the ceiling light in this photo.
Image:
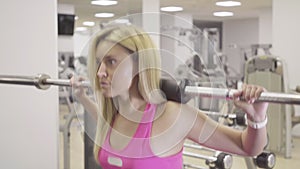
(104, 2)
(80, 29)
(104, 15)
(76, 17)
(223, 14)
(122, 21)
(228, 3)
(171, 9)
(88, 23)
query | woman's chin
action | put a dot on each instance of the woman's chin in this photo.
(107, 94)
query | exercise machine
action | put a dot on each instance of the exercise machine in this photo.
(269, 71)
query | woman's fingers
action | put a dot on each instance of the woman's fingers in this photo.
(248, 93)
(237, 95)
(76, 81)
(251, 92)
(78, 89)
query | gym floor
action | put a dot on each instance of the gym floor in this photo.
(77, 145)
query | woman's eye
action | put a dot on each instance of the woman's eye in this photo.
(111, 61)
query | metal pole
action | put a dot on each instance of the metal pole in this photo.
(21, 80)
(198, 147)
(249, 163)
(222, 160)
(41, 81)
(284, 98)
(64, 82)
(192, 166)
(194, 155)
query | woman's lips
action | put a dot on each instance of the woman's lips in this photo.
(104, 84)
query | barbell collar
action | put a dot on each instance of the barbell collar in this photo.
(39, 81)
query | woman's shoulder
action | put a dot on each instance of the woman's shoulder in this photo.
(176, 118)
(178, 111)
(169, 109)
(172, 106)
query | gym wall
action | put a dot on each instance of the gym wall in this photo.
(29, 116)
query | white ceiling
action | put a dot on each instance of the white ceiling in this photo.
(200, 9)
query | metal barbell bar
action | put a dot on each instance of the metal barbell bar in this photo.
(220, 93)
(43, 81)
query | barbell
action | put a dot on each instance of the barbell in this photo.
(40, 81)
(181, 92)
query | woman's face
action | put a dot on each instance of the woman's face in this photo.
(115, 71)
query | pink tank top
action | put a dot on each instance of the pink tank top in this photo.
(138, 154)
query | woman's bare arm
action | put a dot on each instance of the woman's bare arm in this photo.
(80, 95)
(249, 142)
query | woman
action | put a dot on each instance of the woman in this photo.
(137, 127)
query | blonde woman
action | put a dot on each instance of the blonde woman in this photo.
(136, 126)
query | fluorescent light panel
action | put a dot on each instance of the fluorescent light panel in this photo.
(122, 21)
(171, 9)
(223, 14)
(88, 23)
(228, 3)
(104, 2)
(104, 15)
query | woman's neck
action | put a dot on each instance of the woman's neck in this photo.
(131, 105)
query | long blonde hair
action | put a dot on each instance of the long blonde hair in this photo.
(149, 63)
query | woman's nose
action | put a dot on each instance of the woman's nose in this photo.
(102, 72)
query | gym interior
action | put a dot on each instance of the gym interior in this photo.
(44, 43)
